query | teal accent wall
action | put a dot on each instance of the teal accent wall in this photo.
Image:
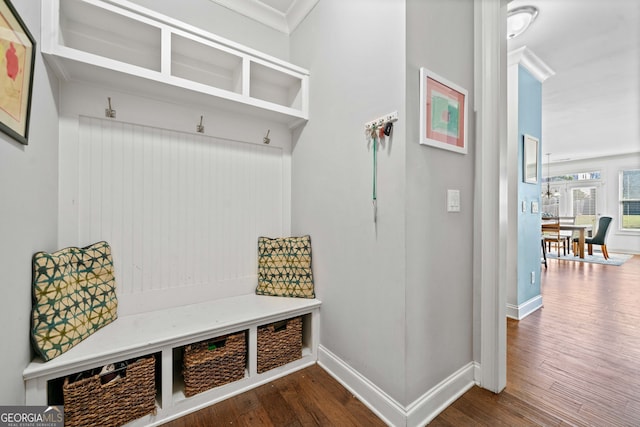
(530, 123)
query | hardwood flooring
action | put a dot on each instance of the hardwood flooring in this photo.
(575, 362)
(309, 397)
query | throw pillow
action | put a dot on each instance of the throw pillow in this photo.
(73, 296)
(284, 267)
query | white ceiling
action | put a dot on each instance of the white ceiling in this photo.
(591, 106)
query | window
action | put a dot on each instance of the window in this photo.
(630, 199)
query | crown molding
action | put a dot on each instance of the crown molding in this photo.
(529, 60)
(267, 15)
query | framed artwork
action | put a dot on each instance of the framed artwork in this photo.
(530, 160)
(443, 113)
(17, 57)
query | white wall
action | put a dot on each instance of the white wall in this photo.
(28, 215)
(439, 244)
(216, 19)
(608, 191)
(355, 53)
(181, 210)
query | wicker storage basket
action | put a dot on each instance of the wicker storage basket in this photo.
(279, 343)
(88, 402)
(214, 362)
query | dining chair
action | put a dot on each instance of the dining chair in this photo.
(599, 239)
(568, 234)
(551, 234)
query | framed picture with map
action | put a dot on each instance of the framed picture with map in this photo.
(17, 57)
(443, 113)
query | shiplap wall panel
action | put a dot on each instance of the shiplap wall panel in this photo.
(178, 209)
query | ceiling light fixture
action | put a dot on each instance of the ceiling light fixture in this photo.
(548, 194)
(519, 19)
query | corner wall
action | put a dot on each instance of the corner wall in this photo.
(397, 314)
(28, 209)
(355, 53)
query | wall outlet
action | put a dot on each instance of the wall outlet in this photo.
(533, 277)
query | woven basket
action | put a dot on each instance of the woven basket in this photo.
(88, 402)
(213, 363)
(279, 343)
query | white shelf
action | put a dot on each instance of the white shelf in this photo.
(122, 45)
(165, 332)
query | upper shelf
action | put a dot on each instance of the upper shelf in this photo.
(132, 48)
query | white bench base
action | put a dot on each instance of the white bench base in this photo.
(160, 332)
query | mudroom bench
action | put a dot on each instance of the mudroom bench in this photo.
(165, 334)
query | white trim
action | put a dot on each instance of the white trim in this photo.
(384, 406)
(520, 311)
(418, 413)
(436, 400)
(285, 22)
(529, 60)
(491, 201)
(298, 11)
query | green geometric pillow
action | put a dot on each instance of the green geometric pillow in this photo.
(284, 267)
(73, 296)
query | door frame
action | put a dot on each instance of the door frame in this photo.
(491, 202)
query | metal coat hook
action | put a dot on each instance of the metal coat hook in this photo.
(110, 112)
(266, 138)
(200, 127)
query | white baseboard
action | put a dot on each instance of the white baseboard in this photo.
(519, 312)
(418, 413)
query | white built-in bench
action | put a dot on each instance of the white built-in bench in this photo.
(164, 332)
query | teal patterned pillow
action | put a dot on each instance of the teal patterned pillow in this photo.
(284, 267)
(73, 296)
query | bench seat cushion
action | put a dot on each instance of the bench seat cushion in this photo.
(73, 296)
(284, 267)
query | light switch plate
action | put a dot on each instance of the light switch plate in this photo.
(453, 200)
(534, 207)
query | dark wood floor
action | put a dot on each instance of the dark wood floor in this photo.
(309, 397)
(574, 362)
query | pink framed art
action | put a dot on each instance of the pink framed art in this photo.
(443, 113)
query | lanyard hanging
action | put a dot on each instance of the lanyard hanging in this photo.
(377, 131)
(375, 175)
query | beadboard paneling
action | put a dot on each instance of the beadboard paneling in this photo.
(180, 210)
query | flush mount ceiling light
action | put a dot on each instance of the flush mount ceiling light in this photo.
(519, 19)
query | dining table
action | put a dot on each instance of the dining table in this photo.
(582, 229)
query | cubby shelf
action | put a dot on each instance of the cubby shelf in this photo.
(122, 45)
(164, 333)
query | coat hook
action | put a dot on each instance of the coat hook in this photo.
(110, 112)
(200, 127)
(266, 139)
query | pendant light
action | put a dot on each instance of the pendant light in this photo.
(548, 194)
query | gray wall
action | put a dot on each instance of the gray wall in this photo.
(28, 215)
(355, 53)
(439, 244)
(397, 298)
